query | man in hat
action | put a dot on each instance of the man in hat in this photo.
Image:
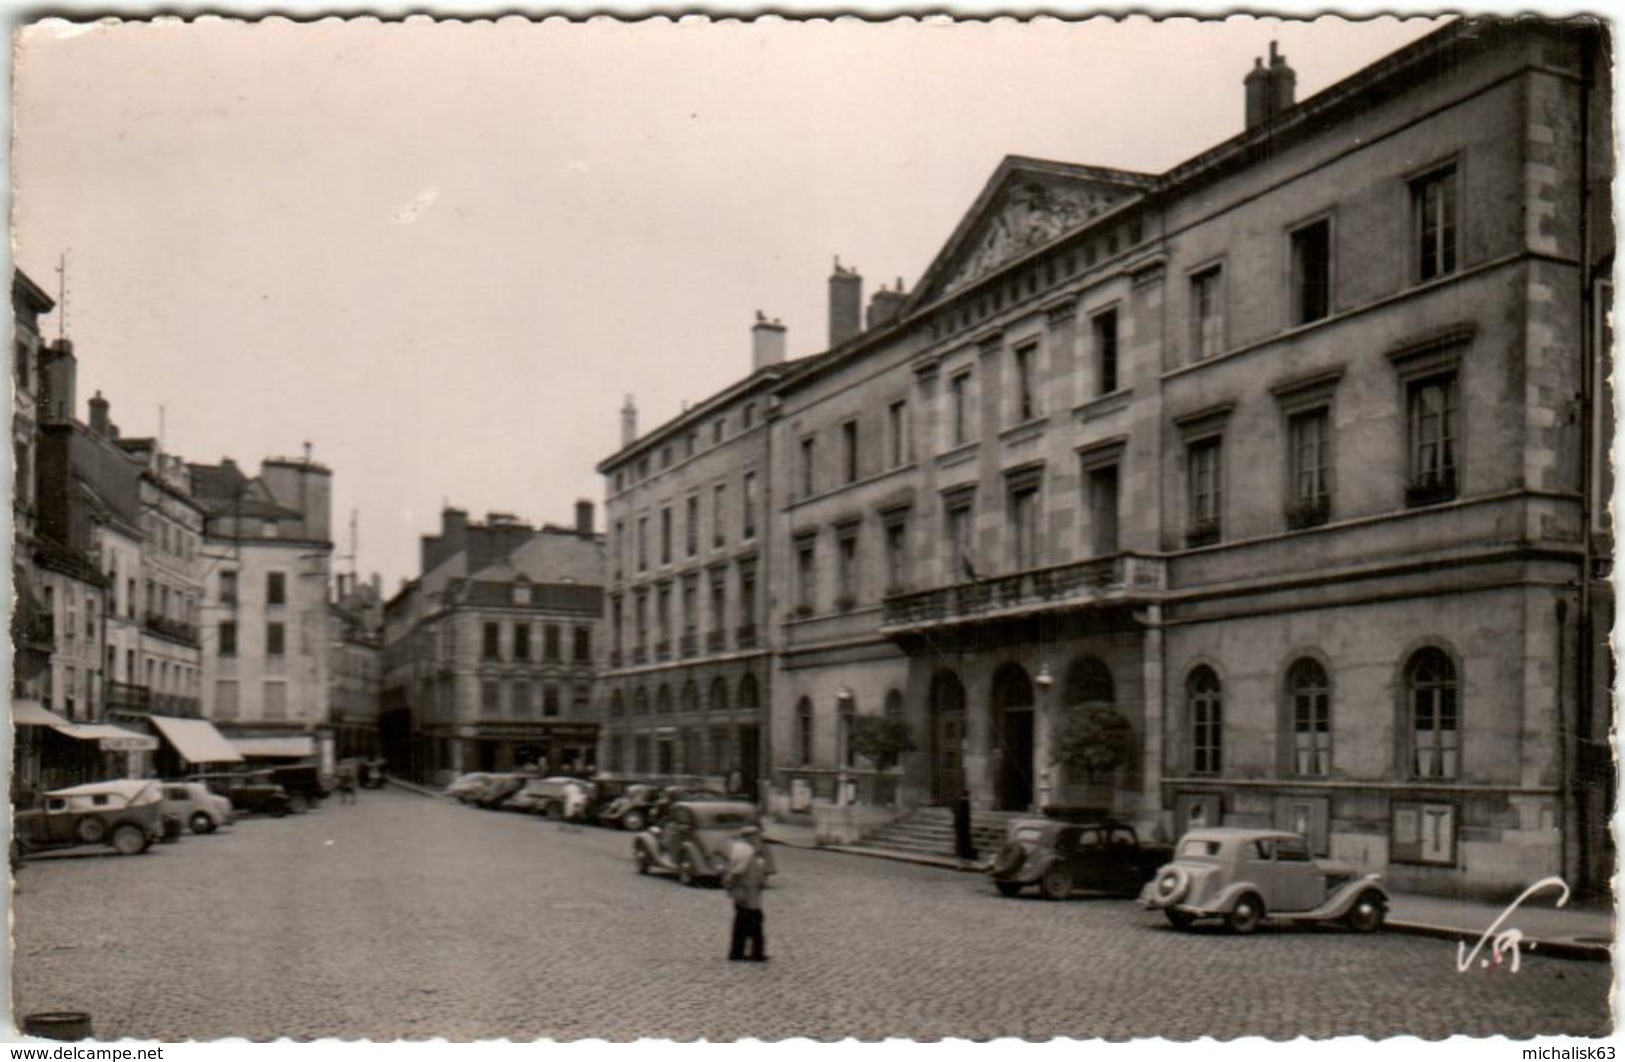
(743, 879)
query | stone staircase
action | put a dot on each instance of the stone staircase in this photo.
(929, 832)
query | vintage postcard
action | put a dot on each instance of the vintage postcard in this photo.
(801, 528)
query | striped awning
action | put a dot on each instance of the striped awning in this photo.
(32, 713)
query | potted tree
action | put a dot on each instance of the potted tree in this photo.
(882, 740)
(1095, 739)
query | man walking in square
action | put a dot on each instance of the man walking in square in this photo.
(743, 879)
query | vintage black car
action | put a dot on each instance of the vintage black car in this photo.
(631, 810)
(248, 792)
(1059, 857)
(304, 783)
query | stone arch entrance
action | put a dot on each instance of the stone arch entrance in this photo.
(947, 737)
(1014, 774)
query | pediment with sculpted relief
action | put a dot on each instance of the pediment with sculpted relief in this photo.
(1027, 205)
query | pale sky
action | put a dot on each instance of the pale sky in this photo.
(443, 253)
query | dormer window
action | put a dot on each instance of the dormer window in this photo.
(521, 591)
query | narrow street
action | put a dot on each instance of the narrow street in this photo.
(408, 918)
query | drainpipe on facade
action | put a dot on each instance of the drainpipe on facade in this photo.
(1574, 783)
(770, 634)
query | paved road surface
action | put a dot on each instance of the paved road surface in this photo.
(407, 918)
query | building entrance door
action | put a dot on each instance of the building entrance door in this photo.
(947, 738)
(1013, 731)
(750, 760)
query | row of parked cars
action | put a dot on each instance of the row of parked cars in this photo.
(1237, 876)
(606, 800)
(132, 814)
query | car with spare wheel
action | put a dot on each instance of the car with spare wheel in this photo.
(1243, 876)
(193, 804)
(126, 814)
(694, 838)
(1060, 857)
(247, 792)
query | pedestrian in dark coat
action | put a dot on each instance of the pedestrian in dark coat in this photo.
(964, 847)
(744, 878)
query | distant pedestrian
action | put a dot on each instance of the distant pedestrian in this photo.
(346, 784)
(964, 846)
(575, 808)
(746, 873)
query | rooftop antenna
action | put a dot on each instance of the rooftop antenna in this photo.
(62, 295)
(160, 428)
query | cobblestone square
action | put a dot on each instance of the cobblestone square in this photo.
(409, 918)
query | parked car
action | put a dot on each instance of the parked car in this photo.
(194, 805)
(466, 787)
(1059, 857)
(126, 814)
(303, 781)
(631, 810)
(693, 841)
(1244, 876)
(544, 796)
(499, 787)
(247, 792)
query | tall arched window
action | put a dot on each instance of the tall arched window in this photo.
(894, 704)
(1310, 692)
(663, 700)
(719, 694)
(804, 732)
(690, 697)
(749, 696)
(1430, 687)
(1205, 706)
(1089, 681)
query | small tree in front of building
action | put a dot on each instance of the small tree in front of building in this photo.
(881, 739)
(1095, 739)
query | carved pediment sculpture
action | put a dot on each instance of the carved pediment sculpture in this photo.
(1029, 214)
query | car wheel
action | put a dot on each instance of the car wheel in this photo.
(1057, 881)
(1367, 913)
(90, 830)
(298, 803)
(1008, 888)
(276, 811)
(1009, 859)
(201, 823)
(633, 821)
(1246, 915)
(129, 839)
(642, 859)
(685, 870)
(1179, 919)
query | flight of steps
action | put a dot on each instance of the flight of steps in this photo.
(930, 832)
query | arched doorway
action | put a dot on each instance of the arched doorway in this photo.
(947, 737)
(1013, 733)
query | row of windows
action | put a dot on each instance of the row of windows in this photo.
(519, 642)
(846, 712)
(857, 459)
(276, 587)
(276, 638)
(688, 447)
(719, 698)
(692, 750)
(517, 697)
(693, 531)
(1430, 724)
(273, 699)
(685, 594)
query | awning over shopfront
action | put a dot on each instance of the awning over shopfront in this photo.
(110, 738)
(275, 747)
(32, 713)
(196, 740)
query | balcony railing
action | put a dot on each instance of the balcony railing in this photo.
(745, 638)
(688, 645)
(663, 649)
(614, 658)
(1125, 576)
(174, 630)
(715, 641)
(128, 697)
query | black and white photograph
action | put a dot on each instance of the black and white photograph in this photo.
(556, 526)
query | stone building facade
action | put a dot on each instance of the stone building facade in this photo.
(688, 673)
(267, 550)
(489, 655)
(1288, 459)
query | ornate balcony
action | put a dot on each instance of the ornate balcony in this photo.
(715, 641)
(1119, 579)
(688, 645)
(746, 636)
(128, 697)
(174, 630)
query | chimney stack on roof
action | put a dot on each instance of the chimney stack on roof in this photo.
(767, 342)
(584, 510)
(98, 415)
(845, 304)
(886, 304)
(629, 422)
(1270, 89)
